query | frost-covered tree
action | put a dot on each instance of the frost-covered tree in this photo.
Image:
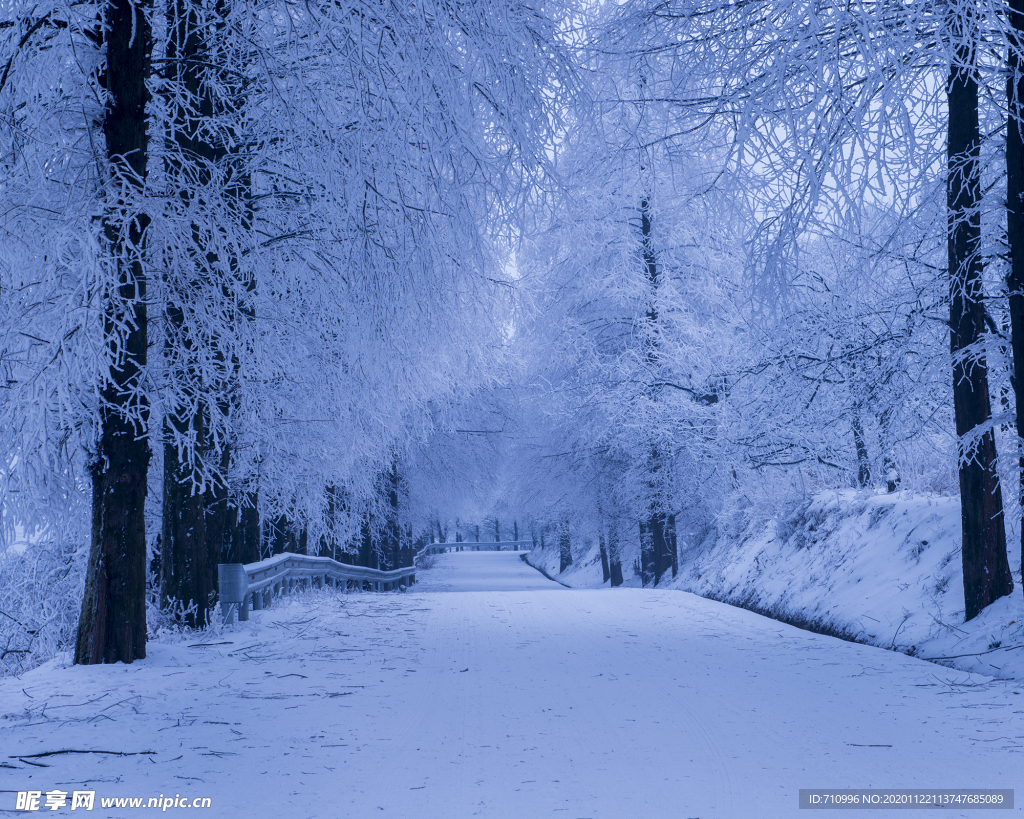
(629, 281)
(324, 188)
(830, 109)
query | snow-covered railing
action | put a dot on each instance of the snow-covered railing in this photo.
(470, 546)
(240, 583)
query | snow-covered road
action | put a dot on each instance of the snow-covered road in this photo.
(511, 703)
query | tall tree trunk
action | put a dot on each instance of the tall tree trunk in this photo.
(190, 552)
(986, 572)
(367, 552)
(564, 546)
(281, 536)
(112, 625)
(673, 546)
(245, 535)
(605, 573)
(392, 529)
(860, 444)
(1015, 223)
(232, 516)
(614, 557)
(653, 549)
(646, 554)
(183, 562)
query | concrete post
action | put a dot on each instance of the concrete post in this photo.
(234, 589)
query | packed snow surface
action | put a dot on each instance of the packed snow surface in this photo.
(482, 572)
(513, 698)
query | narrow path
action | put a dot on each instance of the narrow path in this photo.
(529, 703)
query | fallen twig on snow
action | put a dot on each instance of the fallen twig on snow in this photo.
(977, 654)
(25, 757)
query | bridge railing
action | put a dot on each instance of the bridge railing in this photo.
(258, 582)
(471, 546)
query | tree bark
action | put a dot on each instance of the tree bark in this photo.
(183, 562)
(194, 520)
(112, 625)
(673, 547)
(564, 546)
(392, 529)
(614, 558)
(986, 572)
(605, 572)
(654, 555)
(1015, 223)
(245, 534)
(860, 444)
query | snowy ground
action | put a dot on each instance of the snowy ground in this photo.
(510, 703)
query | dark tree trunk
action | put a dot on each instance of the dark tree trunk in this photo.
(195, 68)
(605, 572)
(986, 573)
(112, 626)
(670, 542)
(184, 560)
(614, 558)
(654, 555)
(657, 549)
(245, 534)
(497, 531)
(221, 519)
(564, 546)
(859, 443)
(328, 541)
(281, 536)
(1015, 221)
(515, 530)
(392, 530)
(367, 552)
(190, 553)
(647, 551)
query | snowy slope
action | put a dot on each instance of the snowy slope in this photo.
(435, 705)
